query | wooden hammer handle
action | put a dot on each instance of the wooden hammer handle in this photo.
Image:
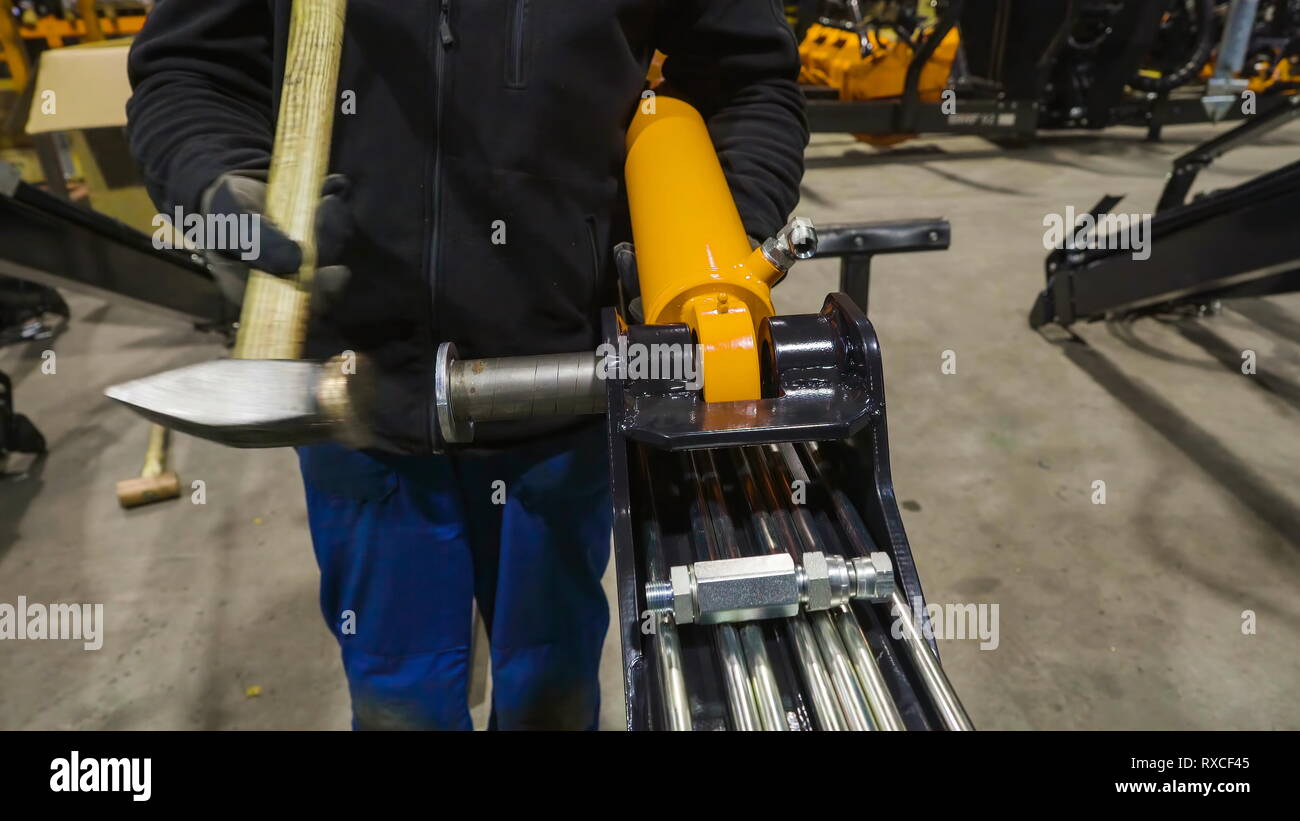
(273, 323)
(155, 458)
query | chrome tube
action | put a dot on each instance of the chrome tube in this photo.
(951, 712)
(883, 709)
(735, 673)
(857, 714)
(763, 686)
(742, 690)
(884, 712)
(829, 715)
(821, 688)
(677, 709)
(668, 649)
(762, 680)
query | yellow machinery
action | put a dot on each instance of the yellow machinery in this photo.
(12, 53)
(90, 25)
(1272, 69)
(832, 56)
(696, 265)
(1267, 67)
(87, 27)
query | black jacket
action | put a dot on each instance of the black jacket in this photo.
(468, 112)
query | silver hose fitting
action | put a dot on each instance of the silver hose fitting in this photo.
(873, 577)
(770, 586)
(796, 241)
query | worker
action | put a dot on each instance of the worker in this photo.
(475, 197)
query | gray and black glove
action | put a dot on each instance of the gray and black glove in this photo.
(240, 194)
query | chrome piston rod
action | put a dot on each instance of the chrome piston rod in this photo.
(726, 641)
(513, 387)
(821, 687)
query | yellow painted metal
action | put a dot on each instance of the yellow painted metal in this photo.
(832, 57)
(694, 260)
(54, 30)
(11, 48)
(90, 20)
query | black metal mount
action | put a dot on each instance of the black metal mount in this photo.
(824, 382)
(855, 244)
(828, 389)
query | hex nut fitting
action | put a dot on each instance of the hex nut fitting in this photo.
(817, 581)
(873, 577)
(683, 594)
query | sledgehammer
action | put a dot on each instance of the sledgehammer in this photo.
(155, 483)
(266, 396)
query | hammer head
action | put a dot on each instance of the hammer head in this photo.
(144, 490)
(255, 403)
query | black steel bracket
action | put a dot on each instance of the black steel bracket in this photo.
(855, 244)
(825, 373)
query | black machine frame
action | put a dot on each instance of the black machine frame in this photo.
(1236, 242)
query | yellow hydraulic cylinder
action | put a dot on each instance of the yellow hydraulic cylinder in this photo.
(694, 261)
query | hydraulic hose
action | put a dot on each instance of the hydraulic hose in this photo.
(1204, 47)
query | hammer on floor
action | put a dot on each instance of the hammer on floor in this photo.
(155, 483)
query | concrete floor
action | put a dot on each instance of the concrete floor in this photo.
(1123, 615)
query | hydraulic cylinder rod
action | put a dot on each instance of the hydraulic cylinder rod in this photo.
(513, 387)
(713, 510)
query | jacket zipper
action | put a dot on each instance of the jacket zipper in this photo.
(515, 57)
(446, 40)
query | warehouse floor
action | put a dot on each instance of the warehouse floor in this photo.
(1123, 615)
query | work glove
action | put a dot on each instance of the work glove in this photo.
(243, 194)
